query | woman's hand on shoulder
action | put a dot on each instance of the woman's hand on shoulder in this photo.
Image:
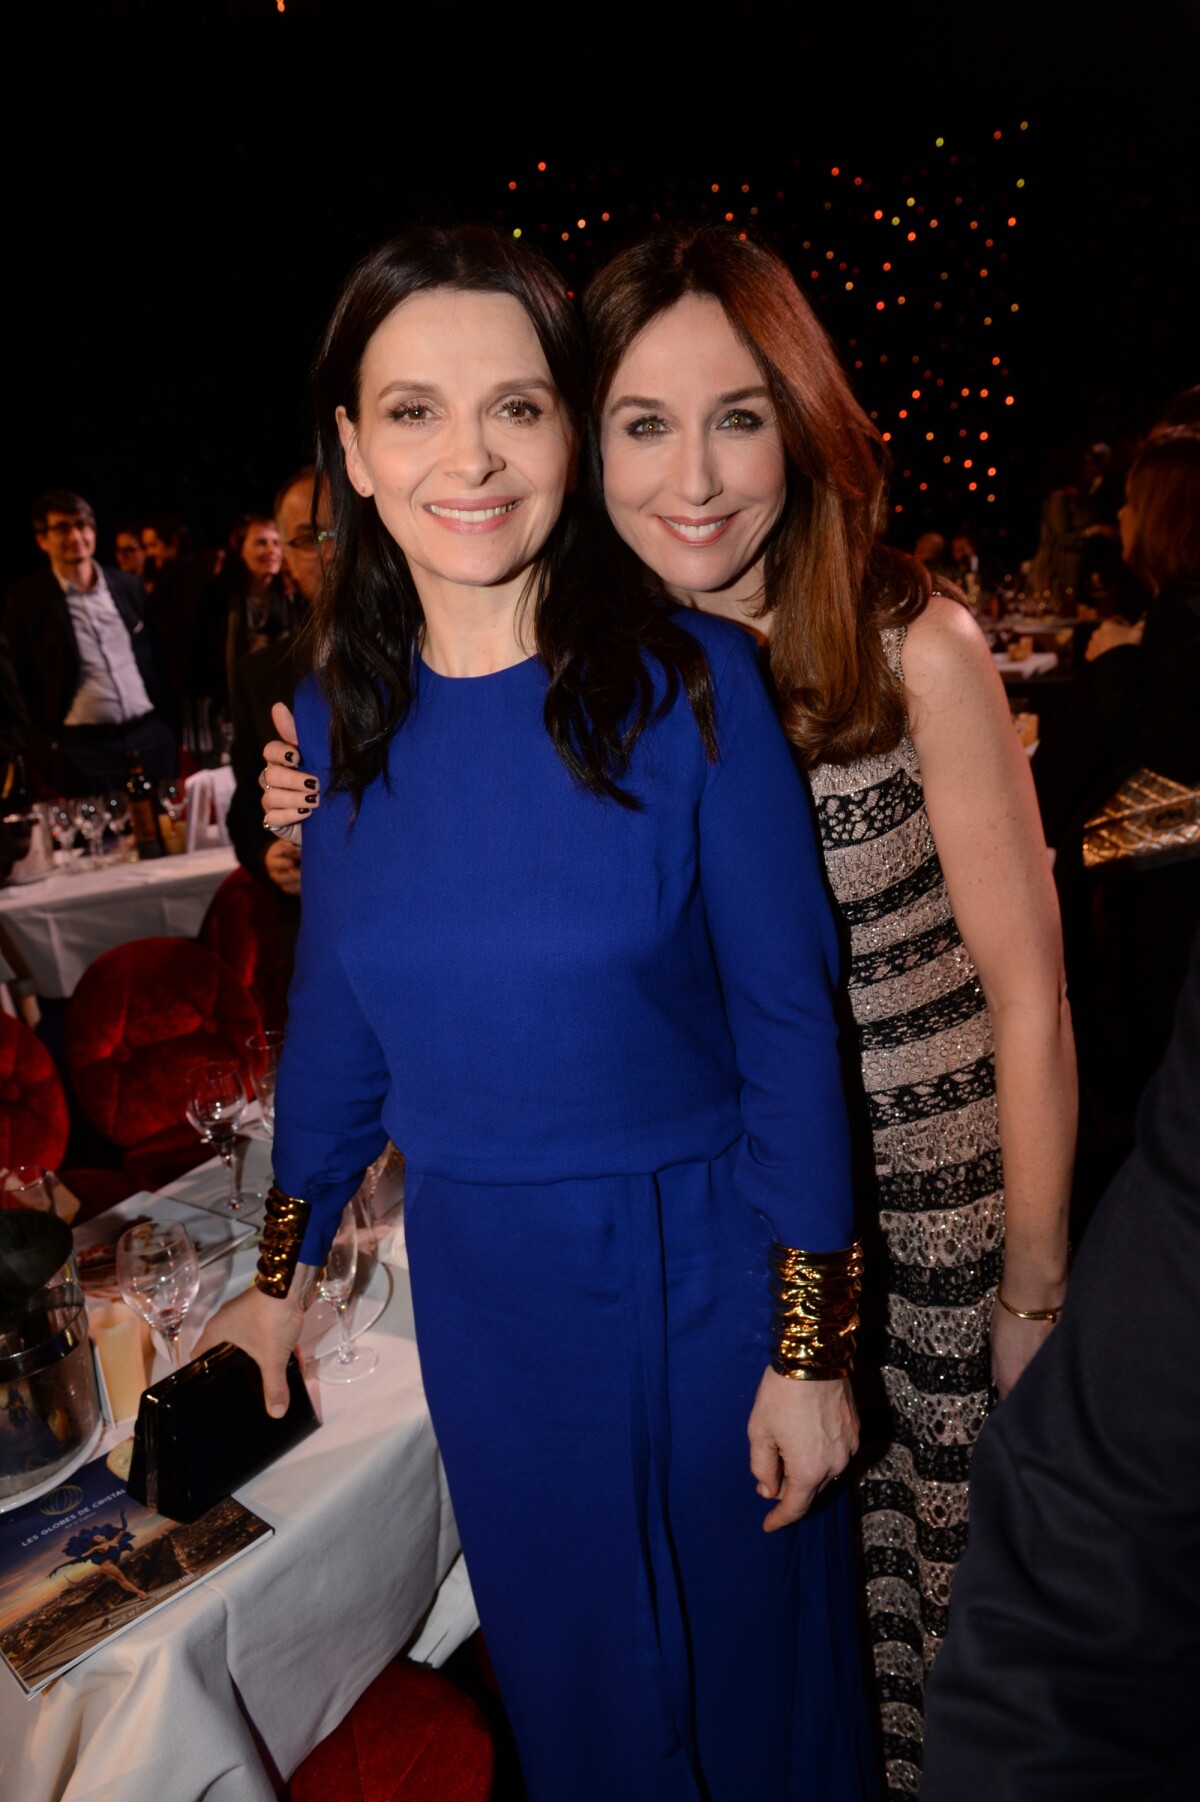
(265, 1327)
(289, 794)
(802, 1435)
(1112, 635)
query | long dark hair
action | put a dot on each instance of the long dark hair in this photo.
(829, 583)
(591, 631)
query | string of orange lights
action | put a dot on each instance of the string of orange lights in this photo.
(914, 273)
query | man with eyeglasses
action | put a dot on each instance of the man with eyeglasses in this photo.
(84, 659)
(260, 680)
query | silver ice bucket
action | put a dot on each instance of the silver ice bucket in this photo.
(49, 1405)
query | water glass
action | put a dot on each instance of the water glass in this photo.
(348, 1363)
(215, 1105)
(265, 1049)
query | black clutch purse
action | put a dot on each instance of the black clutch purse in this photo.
(203, 1432)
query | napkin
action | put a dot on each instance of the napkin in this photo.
(124, 1348)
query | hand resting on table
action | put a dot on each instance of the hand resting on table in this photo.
(267, 1328)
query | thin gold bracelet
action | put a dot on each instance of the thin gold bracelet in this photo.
(1050, 1314)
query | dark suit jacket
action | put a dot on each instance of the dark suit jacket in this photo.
(1070, 1666)
(259, 680)
(37, 623)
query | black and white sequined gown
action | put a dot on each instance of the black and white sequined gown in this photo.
(925, 1038)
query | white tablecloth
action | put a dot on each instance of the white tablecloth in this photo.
(221, 1694)
(60, 924)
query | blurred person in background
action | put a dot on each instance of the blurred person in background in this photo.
(1132, 707)
(266, 679)
(176, 574)
(1074, 512)
(84, 658)
(128, 554)
(246, 607)
(966, 569)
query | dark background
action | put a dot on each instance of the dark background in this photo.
(190, 183)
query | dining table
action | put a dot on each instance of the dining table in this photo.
(55, 926)
(223, 1692)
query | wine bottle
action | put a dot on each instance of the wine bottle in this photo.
(143, 810)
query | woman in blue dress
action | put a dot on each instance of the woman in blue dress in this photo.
(565, 941)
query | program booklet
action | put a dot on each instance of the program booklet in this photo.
(84, 1562)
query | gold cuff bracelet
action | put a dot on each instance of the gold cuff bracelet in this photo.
(815, 1316)
(280, 1241)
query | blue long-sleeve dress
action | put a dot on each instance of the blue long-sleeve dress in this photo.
(605, 1042)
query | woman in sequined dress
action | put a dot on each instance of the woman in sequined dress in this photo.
(739, 469)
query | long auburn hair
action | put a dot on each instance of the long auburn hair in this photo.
(591, 632)
(1163, 489)
(829, 582)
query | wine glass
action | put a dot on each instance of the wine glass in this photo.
(216, 1103)
(347, 1364)
(159, 1275)
(86, 815)
(114, 807)
(264, 1049)
(62, 826)
(172, 798)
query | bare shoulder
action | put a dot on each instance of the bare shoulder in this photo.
(947, 663)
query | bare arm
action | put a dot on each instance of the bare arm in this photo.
(983, 812)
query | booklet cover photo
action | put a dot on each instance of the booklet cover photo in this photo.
(85, 1562)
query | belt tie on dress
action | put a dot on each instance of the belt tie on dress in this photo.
(665, 1650)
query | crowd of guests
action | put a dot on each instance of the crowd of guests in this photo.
(929, 843)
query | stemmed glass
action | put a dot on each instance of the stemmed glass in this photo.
(264, 1049)
(58, 813)
(114, 808)
(173, 798)
(62, 826)
(86, 815)
(347, 1364)
(216, 1103)
(159, 1276)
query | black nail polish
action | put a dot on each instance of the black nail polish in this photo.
(310, 782)
(289, 756)
(304, 810)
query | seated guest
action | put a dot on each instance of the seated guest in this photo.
(1133, 705)
(263, 679)
(128, 554)
(84, 657)
(1069, 1669)
(966, 570)
(1129, 923)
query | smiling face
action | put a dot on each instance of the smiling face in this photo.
(262, 553)
(69, 540)
(128, 552)
(695, 475)
(462, 440)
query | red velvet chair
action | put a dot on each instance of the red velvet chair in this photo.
(33, 1109)
(34, 1122)
(411, 1737)
(142, 1018)
(245, 926)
